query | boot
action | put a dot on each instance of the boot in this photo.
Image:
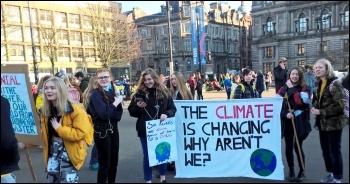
(301, 176)
(291, 175)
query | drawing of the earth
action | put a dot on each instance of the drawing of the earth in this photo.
(263, 162)
(162, 151)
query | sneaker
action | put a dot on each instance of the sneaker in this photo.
(328, 179)
(163, 181)
(94, 166)
(335, 181)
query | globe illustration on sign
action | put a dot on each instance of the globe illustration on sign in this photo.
(263, 162)
(162, 151)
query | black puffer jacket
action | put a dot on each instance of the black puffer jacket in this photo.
(166, 106)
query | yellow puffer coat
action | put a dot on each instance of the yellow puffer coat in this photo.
(73, 131)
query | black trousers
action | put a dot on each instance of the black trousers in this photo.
(199, 94)
(107, 142)
(290, 145)
(192, 92)
(331, 152)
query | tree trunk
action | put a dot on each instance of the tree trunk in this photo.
(52, 66)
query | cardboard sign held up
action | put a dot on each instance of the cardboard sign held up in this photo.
(16, 87)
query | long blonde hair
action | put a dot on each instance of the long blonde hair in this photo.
(181, 87)
(329, 69)
(160, 87)
(87, 93)
(62, 98)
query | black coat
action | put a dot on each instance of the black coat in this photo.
(281, 76)
(166, 104)
(302, 123)
(9, 148)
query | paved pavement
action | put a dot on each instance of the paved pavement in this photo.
(130, 158)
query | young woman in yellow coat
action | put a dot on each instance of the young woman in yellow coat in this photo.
(64, 129)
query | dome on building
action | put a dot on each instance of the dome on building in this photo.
(242, 8)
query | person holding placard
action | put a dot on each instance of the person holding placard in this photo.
(151, 101)
(106, 111)
(63, 128)
(294, 114)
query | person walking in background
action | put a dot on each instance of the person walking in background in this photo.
(280, 73)
(235, 83)
(216, 85)
(267, 81)
(9, 147)
(84, 81)
(178, 89)
(106, 111)
(192, 83)
(297, 96)
(199, 88)
(259, 85)
(93, 164)
(63, 126)
(310, 78)
(126, 84)
(39, 98)
(228, 85)
(330, 119)
(247, 90)
(151, 101)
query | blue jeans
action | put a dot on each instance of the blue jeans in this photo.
(331, 152)
(147, 170)
(94, 155)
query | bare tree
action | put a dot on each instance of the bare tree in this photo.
(49, 35)
(114, 36)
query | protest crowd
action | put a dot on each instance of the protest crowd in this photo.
(67, 103)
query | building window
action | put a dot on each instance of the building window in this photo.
(186, 11)
(301, 49)
(346, 45)
(12, 14)
(63, 36)
(207, 45)
(187, 45)
(29, 52)
(26, 15)
(187, 27)
(45, 17)
(326, 19)
(165, 48)
(269, 26)
(61, 19)
(86, 21)
(149, 45)
(74, 21)
(75, 37)
(16, 50)
(90, 53)
(165, 30)
(318, 23)
(324, 46)
(301, 63)
(302, 23)
(175, 46)
(189, 65)
(88, 39)
(77, 53)
(269, 52)
(63, 52)
(14, 33)
(344, 18)
(173, 29)
(28, 36)
(268, 67)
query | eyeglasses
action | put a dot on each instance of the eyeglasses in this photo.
(104, 77)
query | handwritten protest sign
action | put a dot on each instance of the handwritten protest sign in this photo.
(16, 88)
(161, 141)
(231, 138)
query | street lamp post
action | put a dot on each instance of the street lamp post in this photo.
(324, 19)
(171, 65)
(33, 46)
